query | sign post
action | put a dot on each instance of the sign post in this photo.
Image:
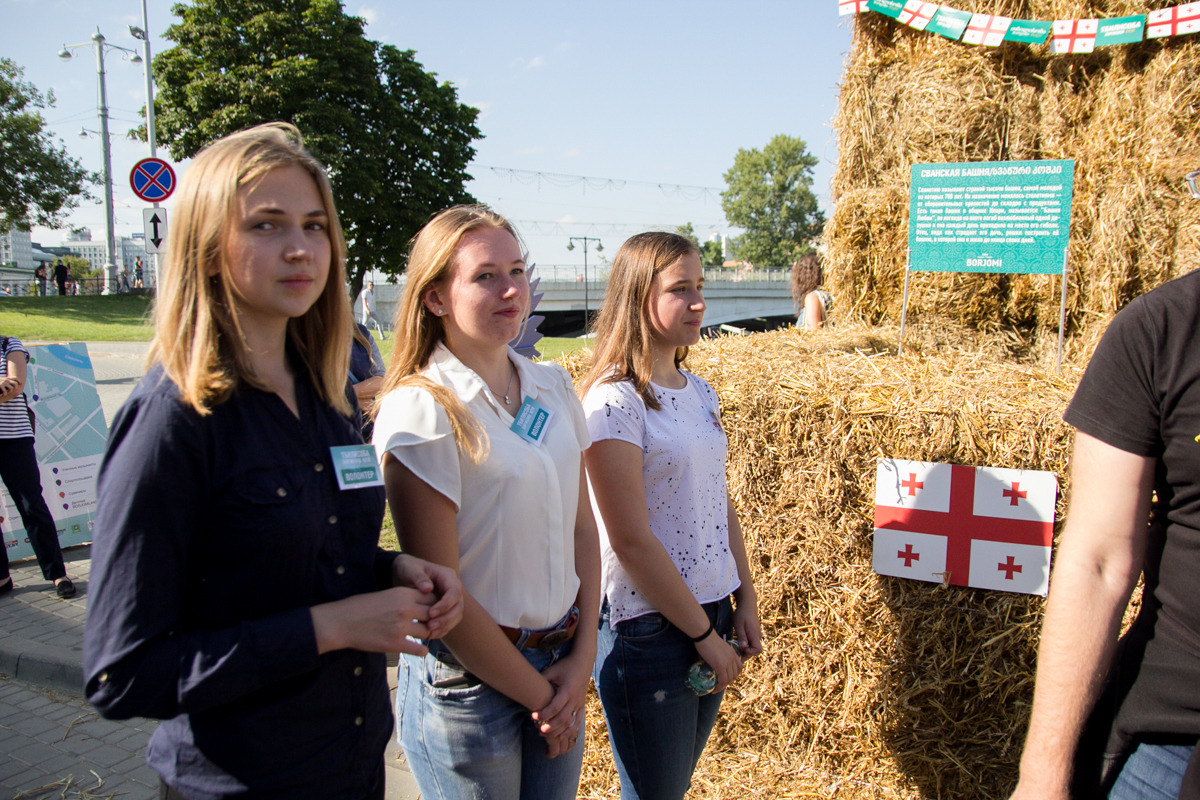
(153, 180)
(999, 216)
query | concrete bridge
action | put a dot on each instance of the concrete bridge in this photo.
(734, 296)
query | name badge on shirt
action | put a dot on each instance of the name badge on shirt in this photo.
(355, 466)
(532, 422)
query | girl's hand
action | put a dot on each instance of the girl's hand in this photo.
(747, 627)
(441, 581)
(375, 622)
(9, 388)
(564, 715)
(726, 664)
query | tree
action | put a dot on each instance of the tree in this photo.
(395, 141)
(710, 251)
(770, 195)
(39, 182)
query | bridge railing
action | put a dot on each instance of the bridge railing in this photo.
(560, 273)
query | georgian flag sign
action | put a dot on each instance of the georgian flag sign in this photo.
(1074, 35)
(1173, 21)
(984, 527)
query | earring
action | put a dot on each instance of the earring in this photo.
(441, 311)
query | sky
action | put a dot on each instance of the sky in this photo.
(649, 101)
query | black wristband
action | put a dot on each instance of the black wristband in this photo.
(703, 636)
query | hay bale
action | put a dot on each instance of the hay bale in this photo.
(870, 686)
(1128, 115)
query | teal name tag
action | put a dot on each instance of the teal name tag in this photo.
(355, 466)
(532, 422)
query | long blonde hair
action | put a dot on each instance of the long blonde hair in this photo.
(199, 340)
(418, 330)
(624, 332)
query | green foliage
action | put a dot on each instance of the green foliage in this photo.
(396, 142)
(688, 232)
(39, 182)
(770, 195)
(711, 254)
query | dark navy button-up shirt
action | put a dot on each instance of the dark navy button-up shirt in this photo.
(213, 537)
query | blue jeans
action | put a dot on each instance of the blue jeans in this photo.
(657, 726)
(464, 739)
(1152, 772)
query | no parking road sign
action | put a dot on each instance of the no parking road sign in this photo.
(152, 179)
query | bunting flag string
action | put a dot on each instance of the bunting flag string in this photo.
(1064, 35)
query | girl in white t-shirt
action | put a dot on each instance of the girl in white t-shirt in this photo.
(672, 552)
(482, 460)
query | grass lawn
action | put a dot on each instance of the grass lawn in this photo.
(122, 318)
(84, 318)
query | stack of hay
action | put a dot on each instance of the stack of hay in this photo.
(1129, 116)
(870, 686)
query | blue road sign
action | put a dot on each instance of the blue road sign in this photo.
(152, 179)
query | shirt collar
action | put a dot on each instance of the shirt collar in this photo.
(467, 384)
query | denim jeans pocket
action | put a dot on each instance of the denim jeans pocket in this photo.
(643, 629)
(446, 679)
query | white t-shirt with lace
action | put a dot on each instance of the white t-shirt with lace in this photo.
(683, 471)
(516, 510)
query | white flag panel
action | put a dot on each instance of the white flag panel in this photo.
(1015, 493)
(920, 485)
(1010, 567)
(906, 554)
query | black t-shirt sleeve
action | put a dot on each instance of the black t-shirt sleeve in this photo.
(1118, 401)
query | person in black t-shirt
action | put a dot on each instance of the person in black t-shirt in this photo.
(1122, 719)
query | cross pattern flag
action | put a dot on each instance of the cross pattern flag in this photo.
(1073, 35)
(1173, 21)
(986, 29)
(984, 527)
(851, 7)
(917, 14)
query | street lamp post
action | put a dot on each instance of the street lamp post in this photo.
(98, 42)
(142, 34)
(599, 249)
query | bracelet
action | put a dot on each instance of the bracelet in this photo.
(707, 632)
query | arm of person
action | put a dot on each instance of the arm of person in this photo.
(366, 390)
(814, 312)
(426, 527)
(615, 469)
(745, 613)
(1098, 562)
(12, 384)
(570, 676)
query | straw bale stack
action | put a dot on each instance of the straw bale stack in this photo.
(870, 687)
(1128, 115)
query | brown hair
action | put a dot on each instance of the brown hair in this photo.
(807, 275)
(623, 329)
(199, 340)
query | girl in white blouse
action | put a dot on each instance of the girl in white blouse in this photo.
(671, 547)
(482, 460)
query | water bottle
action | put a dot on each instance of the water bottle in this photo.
(700, 677)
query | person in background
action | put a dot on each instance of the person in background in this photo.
(139, 274)
(1121, 719)
(62, 275)
(368, 308)
(366, 375)
(40, 274)
(676, 577)
(814, 303)
(481, 453)
(238, 592)
(21, 475)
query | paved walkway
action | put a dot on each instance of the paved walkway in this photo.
(54, 744)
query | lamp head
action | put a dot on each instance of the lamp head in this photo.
(135, 59)
(98, 37)
(599, 247)
(570, 245)
(64, 54)
(137, 33)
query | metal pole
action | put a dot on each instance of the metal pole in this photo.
(586, 310)
(151, 137)
(110, 240)
(904, 305)
(1062, 313)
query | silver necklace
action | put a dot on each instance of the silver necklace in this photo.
(508, 388)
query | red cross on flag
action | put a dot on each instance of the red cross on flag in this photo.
(917, 14)
(1073, 35)
(1173, 21)
(985, 527)
(986, 29)
(852, 7)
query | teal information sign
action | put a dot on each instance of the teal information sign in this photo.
(993, 216)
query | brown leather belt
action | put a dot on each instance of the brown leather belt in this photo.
(546, 639)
